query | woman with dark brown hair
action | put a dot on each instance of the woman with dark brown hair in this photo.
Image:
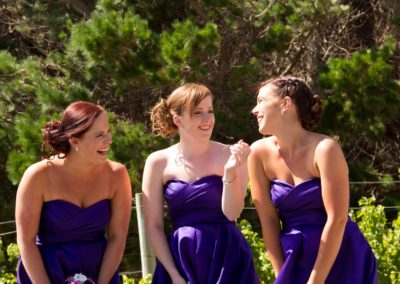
(70, 201)
(299, 179)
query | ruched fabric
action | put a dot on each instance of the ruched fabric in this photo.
(303, 218)
(206, 246)
(71, 240)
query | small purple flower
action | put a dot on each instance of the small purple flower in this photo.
(79, 278)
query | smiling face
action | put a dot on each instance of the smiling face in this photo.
(268, 109)
(95, 142)
(200, 123)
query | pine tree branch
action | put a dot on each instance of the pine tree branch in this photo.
(79, 6)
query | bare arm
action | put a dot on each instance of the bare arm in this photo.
(270, 223)
(152, 190)
(335, 194)
(118, 227)
(235, 181)
(29, 202)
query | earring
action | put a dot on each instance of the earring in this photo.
(76, 148)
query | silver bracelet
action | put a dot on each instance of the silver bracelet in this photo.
(226, 182)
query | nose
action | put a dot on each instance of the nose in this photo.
(109, 139)
(254, 111)
(206, 116)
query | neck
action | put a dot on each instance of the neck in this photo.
(77, 167)
(190, 150)
(291, 138)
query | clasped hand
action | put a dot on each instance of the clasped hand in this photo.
(239, 153)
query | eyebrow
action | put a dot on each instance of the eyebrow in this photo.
(201, 108)
(101, 132)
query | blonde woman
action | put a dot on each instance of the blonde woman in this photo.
(203, 183)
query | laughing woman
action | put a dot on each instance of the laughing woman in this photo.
(300, 178)
(70, 201)
(203, 183)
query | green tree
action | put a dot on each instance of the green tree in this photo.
(126, 54)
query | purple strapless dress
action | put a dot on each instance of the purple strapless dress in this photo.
(303, 218)
(71, 240)
(206, 246)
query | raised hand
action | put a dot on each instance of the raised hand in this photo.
(239, 153)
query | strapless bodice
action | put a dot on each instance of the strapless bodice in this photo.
(63, 221)
(195, 202)
(303, 216)
(71, 240)
(299, 205)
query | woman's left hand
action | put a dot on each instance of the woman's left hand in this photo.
(239, 153)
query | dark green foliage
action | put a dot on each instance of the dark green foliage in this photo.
(28, 141)
(188, 49)
(384, 238)
(131, 145)
(361, 102)
(364, 97)
(126, 54)
(8, 261)
(261, 261)
(116, 45)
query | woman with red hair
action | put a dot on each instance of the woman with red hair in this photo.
(73, 207)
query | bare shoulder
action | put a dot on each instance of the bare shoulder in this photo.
(116, 168)
(155, 167)
(119, 178)
(157, 161)
(330, 160)
(327, 152)
(35, 180)
(325, 144)
(263, 145)
(39, 171)
(160, 156)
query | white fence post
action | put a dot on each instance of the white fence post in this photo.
(146, 255)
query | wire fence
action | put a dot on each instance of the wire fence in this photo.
(386, 208)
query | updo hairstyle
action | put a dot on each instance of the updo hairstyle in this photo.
(308, 105)
(75, 121)
(186, 96)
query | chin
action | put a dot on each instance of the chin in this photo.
(102, 159)
(205, 136)
(263, 131)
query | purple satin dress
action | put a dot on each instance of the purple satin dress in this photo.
(71, 240)
(303, 218)
(206, 246)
